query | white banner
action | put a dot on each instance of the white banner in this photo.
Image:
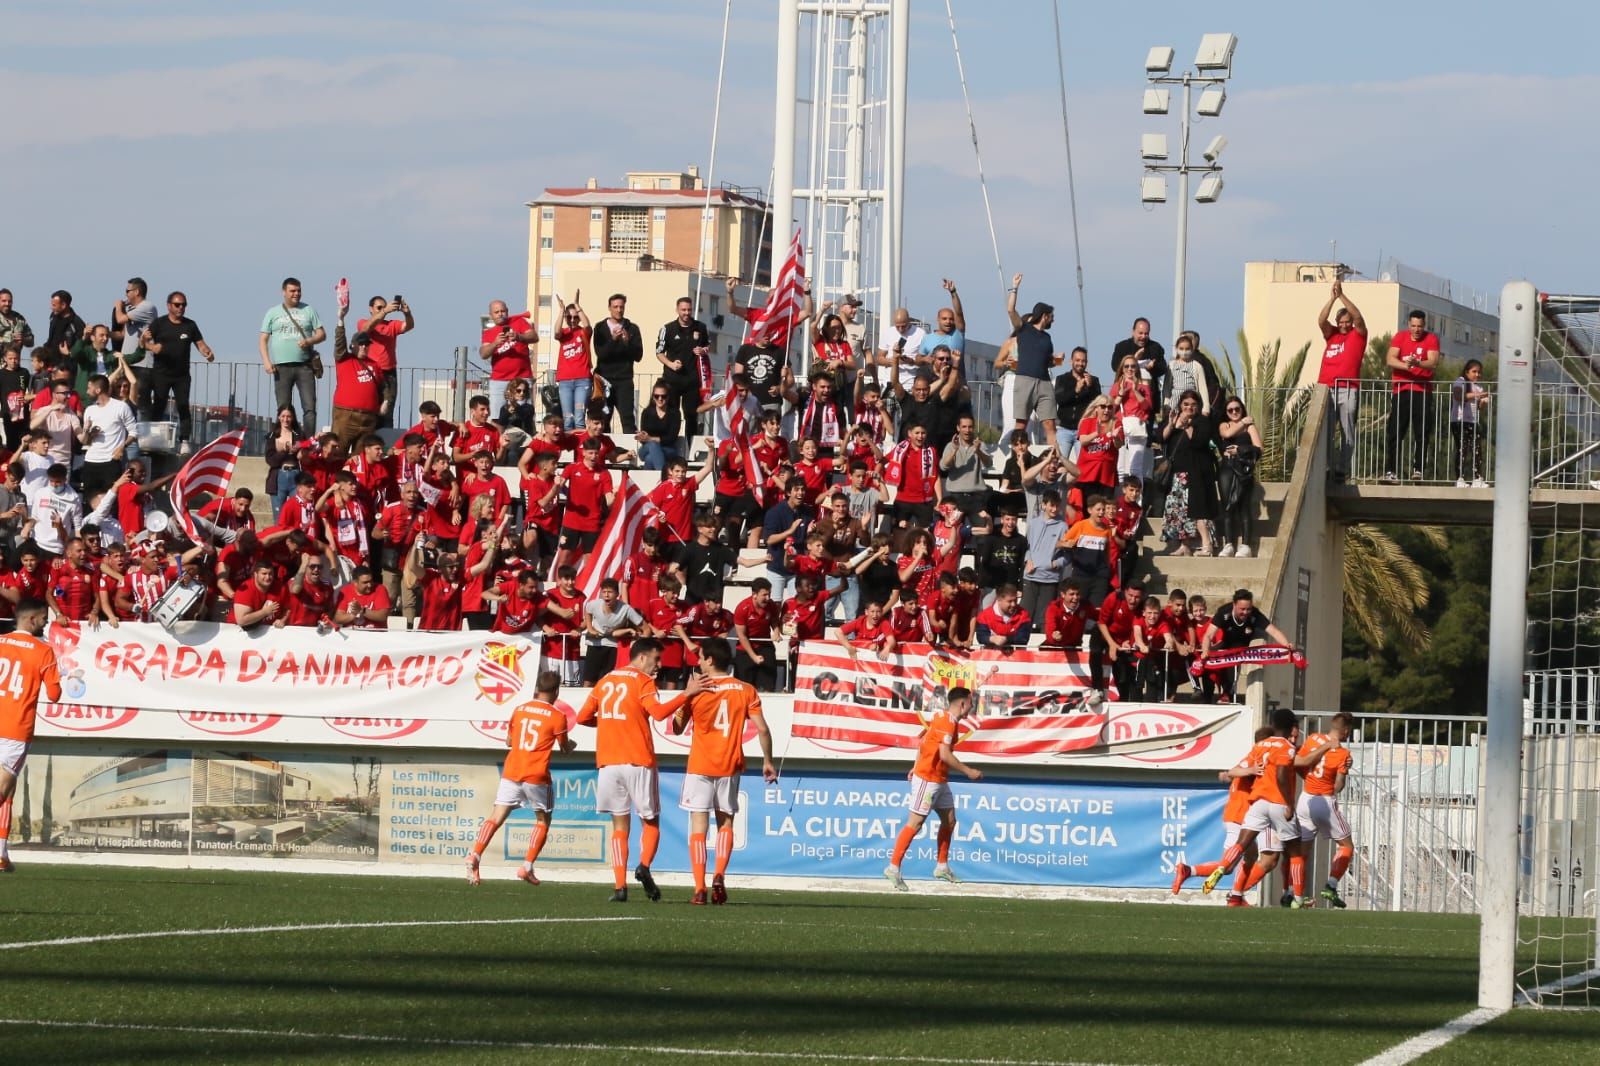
(1181, 737)
(296, 672)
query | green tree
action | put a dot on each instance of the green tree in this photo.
(1270, 389)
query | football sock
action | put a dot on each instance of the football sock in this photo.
(1257, 872)
(902, 844)
(5, 828)
(947, 830)
(648, 843)
(1340, 863)
(1205, 869)
(697, 859)
(536, 842)
(1231, 856)
(724, 848)
(485, 834)
(619, 857)
(1297, 874)
(1239, 878)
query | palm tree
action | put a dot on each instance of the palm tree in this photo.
(1384, 588)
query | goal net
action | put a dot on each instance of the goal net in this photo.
(1559, 825)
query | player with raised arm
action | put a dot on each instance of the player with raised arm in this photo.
(930, 786)
(27, 665)
(1232, 813)
(1318, 813)
(536, 729)
(716, 759)
(620, 708)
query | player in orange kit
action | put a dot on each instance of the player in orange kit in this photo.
(1232, 814)
(716, 759)
(620, 708)
(536, 729)
(27, 664)
(1318, 813)
(930, 787)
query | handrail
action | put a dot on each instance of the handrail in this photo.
(1312, 437)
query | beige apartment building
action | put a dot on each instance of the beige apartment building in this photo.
(645, 239)
(1282, 301)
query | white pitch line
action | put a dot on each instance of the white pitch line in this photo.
(239, 930)
(530, 1045)
(1434, 1039)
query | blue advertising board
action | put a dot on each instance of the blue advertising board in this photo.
(843, 825)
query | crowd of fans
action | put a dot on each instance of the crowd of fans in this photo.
(864, 493)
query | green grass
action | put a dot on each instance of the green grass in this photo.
(851, 975)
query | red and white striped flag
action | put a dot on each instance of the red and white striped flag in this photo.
(619, 538)
(208, 470)
(776, 320)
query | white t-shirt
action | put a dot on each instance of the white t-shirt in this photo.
(114, 420)
(65, 502)
(908, 357)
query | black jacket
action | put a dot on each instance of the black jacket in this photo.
(614, 355)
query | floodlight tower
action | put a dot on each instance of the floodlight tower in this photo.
(839, 152)
(1213, 66)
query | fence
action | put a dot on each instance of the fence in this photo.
(1442, 453)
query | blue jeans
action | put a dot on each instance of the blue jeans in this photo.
(574, 396)
(654, 456)
(848, 601)
(1066, 440)
(781, 584)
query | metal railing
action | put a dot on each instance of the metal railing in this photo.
(1411, 434)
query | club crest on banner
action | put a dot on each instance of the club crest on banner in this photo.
(499, 672)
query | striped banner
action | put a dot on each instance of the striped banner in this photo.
(207, 471)
(619, 538)
(1029, 703)
(777, 319)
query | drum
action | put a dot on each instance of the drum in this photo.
(179, 600)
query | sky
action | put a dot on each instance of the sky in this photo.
(219, 147)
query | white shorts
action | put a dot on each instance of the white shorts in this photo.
(702, 793)
(531, 794)
(929, 796)
(1321, 816)
(1230, 834)
(622, 788)
(1273, 824)
(13, 753)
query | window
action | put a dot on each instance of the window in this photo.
(547, 242)
(596, 214)
(544, 302)
(629, 231)
(594, 244)
(548, 214)
(665, 183)
(545, 271)
(659, 214)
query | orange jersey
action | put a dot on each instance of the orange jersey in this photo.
(930, 767)
(26, 664)
(536, 727)
(620, 708)
(1278, 752)
(716, 746)
(1320, 778)
(1239, 792)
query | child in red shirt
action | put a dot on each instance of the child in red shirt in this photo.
(1125, 521)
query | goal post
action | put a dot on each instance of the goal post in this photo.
(1499, 810)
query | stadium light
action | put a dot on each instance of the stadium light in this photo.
(1213, 66)
(1159, 59)
(1212, 97)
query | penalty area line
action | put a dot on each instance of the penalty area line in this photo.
(242, 930)
(1434, 1039)
(529, 1045)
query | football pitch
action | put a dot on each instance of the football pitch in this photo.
(112, 965)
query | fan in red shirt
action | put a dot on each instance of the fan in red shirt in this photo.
(300, 510)
(476, 434)
(562, 621)
(908, 621)
(1123, 551)
(441, 586)
(505, 344)
(131, 489)
(364, 603)
(953, 613)
(1004, 624)
(594, 430)
(113, 568)
(542, 509)
(771, 451)
(323, 461)
(804, 612)
(590, 496)
(432, 428)
(311, 595)
(1114, 636)
(666, 618)
(137, 592)
(375, 475)
(641, 571)
(483, 481)
(520, 602)
(871, 632)
(74, 584)
(27, 582)
(262, 599)
(345, 522)
(702, 621)
(478, 559)
(232, 514)
(753, 621)
(817, 473)
(551, 441)
(1067, 618)
(913, 473)
(949, 535)
(675, 497)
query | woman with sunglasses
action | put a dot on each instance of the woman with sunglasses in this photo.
(1191, 499)
(833, 351)
(574, 367)
(1134, 403)
(518, 410)
(1240, 441)
(660, 423)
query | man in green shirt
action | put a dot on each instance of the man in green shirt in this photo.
(289, 333)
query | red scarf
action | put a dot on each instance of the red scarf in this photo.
(897, 462)
(831, 433)
(872, 418)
